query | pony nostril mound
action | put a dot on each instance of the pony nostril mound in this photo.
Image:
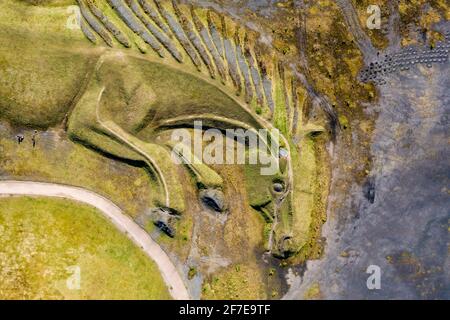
(214, 199)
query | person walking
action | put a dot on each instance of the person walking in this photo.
(33, 138)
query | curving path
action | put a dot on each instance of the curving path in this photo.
(124, 223)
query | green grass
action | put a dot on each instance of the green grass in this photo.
(39, 94)
(281, 120)
(258, 186)
(42, 237)
(56, 159)
(304, 166)
(235, 283)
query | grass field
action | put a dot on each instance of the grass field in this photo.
(43, 240)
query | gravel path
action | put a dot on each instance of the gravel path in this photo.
(124, 223)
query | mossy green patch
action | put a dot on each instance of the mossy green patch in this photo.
(313, 292)
(280, 120)
(234, 283)
(423, 14)
(45, 242)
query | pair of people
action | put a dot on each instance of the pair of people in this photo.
(20, 138)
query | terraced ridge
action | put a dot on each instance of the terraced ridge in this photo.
(218, 47)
